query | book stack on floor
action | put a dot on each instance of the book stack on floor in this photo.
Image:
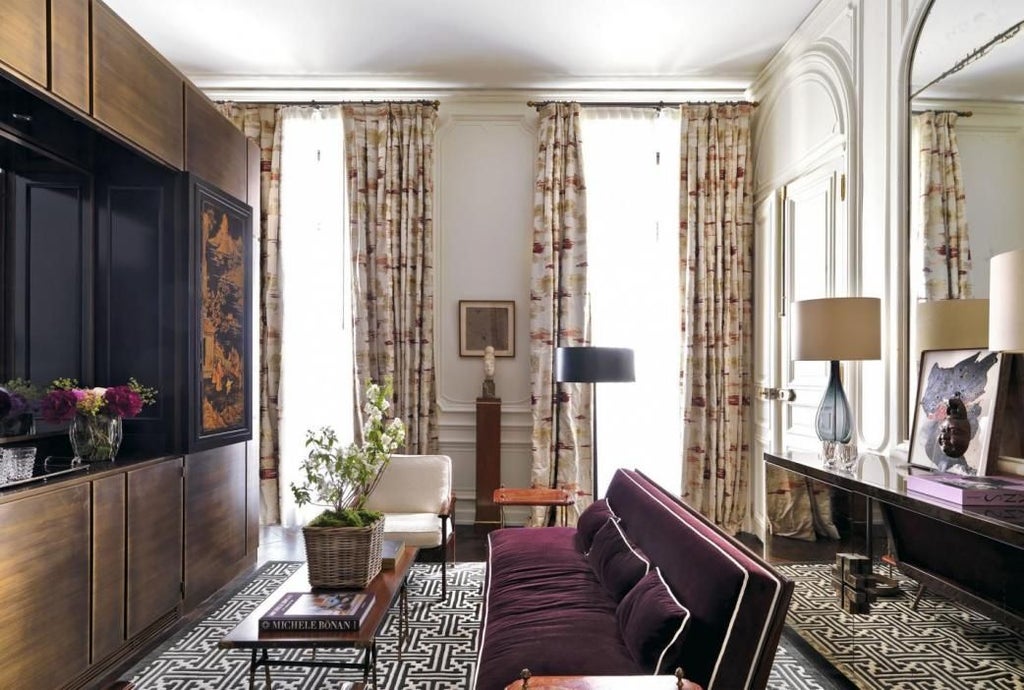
(390, 551)
(317, 611)
(969, 491)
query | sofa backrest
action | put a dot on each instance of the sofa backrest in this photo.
(737, 601)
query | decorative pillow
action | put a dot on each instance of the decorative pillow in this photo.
(617, 563)
(589, 521)
(653, 623)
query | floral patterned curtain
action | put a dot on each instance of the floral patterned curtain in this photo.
(558, 305)
(389, 151)
(942, 218)
(262, 123)
(716, 219)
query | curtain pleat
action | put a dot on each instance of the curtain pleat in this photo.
(390, 166)
(716, 239)
(946, 262)
(262, 123)
(561, 444)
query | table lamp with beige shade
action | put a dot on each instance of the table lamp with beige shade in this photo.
(951, 324)
(834, 329)
(1006, 334)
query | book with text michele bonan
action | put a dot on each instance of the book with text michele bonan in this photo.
(317, 611)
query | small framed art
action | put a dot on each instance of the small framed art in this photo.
(974, 375)
(483, 323)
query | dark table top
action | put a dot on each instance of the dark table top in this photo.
(385, 588)
(884, 478)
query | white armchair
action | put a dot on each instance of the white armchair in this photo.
(415, 495)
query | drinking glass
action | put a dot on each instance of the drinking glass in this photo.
(20, 462)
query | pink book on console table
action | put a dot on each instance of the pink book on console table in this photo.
(969, 491)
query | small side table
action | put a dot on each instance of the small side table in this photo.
(534, 497)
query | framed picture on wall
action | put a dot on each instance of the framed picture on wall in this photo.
(483, 323)
(976, 377)
(220, 399)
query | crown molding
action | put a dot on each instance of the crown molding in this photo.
(298, 89)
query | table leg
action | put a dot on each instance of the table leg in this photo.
(373, 656)
(252, 671)
(403, 620)
(266, 667)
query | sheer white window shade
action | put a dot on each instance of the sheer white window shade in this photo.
(316, 338)
(631, 168)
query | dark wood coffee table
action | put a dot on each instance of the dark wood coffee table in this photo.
(388, 586)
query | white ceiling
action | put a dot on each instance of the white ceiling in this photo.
(954, 29)
(468, 44)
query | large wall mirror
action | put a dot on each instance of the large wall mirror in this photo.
(966, 167)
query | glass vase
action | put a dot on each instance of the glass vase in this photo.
(95, 438)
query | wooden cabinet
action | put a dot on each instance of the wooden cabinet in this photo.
(23, 38)
(215, 526)
(108, 559)
(69, 51)
(135, 92)
(215, 149)
(154, 543)
(44, 577)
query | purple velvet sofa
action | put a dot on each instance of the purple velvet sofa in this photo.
(642, 585)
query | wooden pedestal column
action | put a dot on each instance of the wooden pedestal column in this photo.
(488, 461)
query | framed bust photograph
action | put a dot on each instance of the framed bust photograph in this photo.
(975, 376)
(487, 322)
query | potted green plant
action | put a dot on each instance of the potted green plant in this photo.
(343, 543)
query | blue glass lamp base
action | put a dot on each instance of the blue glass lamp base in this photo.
(834, 423)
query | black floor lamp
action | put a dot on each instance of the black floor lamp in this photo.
(593, 365)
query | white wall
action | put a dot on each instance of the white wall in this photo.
(839, 83)
(484, 152)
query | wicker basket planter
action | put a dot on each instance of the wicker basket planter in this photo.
(343, 557)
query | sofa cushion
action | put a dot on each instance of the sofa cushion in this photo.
(617, 563)
(591, 520)
(653, 623)
(544, 609)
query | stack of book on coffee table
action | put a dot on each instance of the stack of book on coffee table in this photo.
(316, 611)
(968, 490)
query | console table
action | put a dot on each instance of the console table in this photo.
(969, 553)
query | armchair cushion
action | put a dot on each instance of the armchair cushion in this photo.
(413, 484)
(415, 529)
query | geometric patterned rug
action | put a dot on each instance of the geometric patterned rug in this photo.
(440, 653)
(942, 644)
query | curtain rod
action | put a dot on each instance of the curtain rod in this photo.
(317, 104)
(975, 54)
(640, 104)
(961, 113)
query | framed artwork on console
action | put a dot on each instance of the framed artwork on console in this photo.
(977, 377)
(220, 356)
(487, 322)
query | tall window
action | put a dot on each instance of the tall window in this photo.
(316, 339)
(631, 168)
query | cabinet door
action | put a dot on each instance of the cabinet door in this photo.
(44, 577)
(69, 51)
(23, 38)
(135, 92)
(108, 558)
(215, 149)
(215, 529)
(154, 543)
